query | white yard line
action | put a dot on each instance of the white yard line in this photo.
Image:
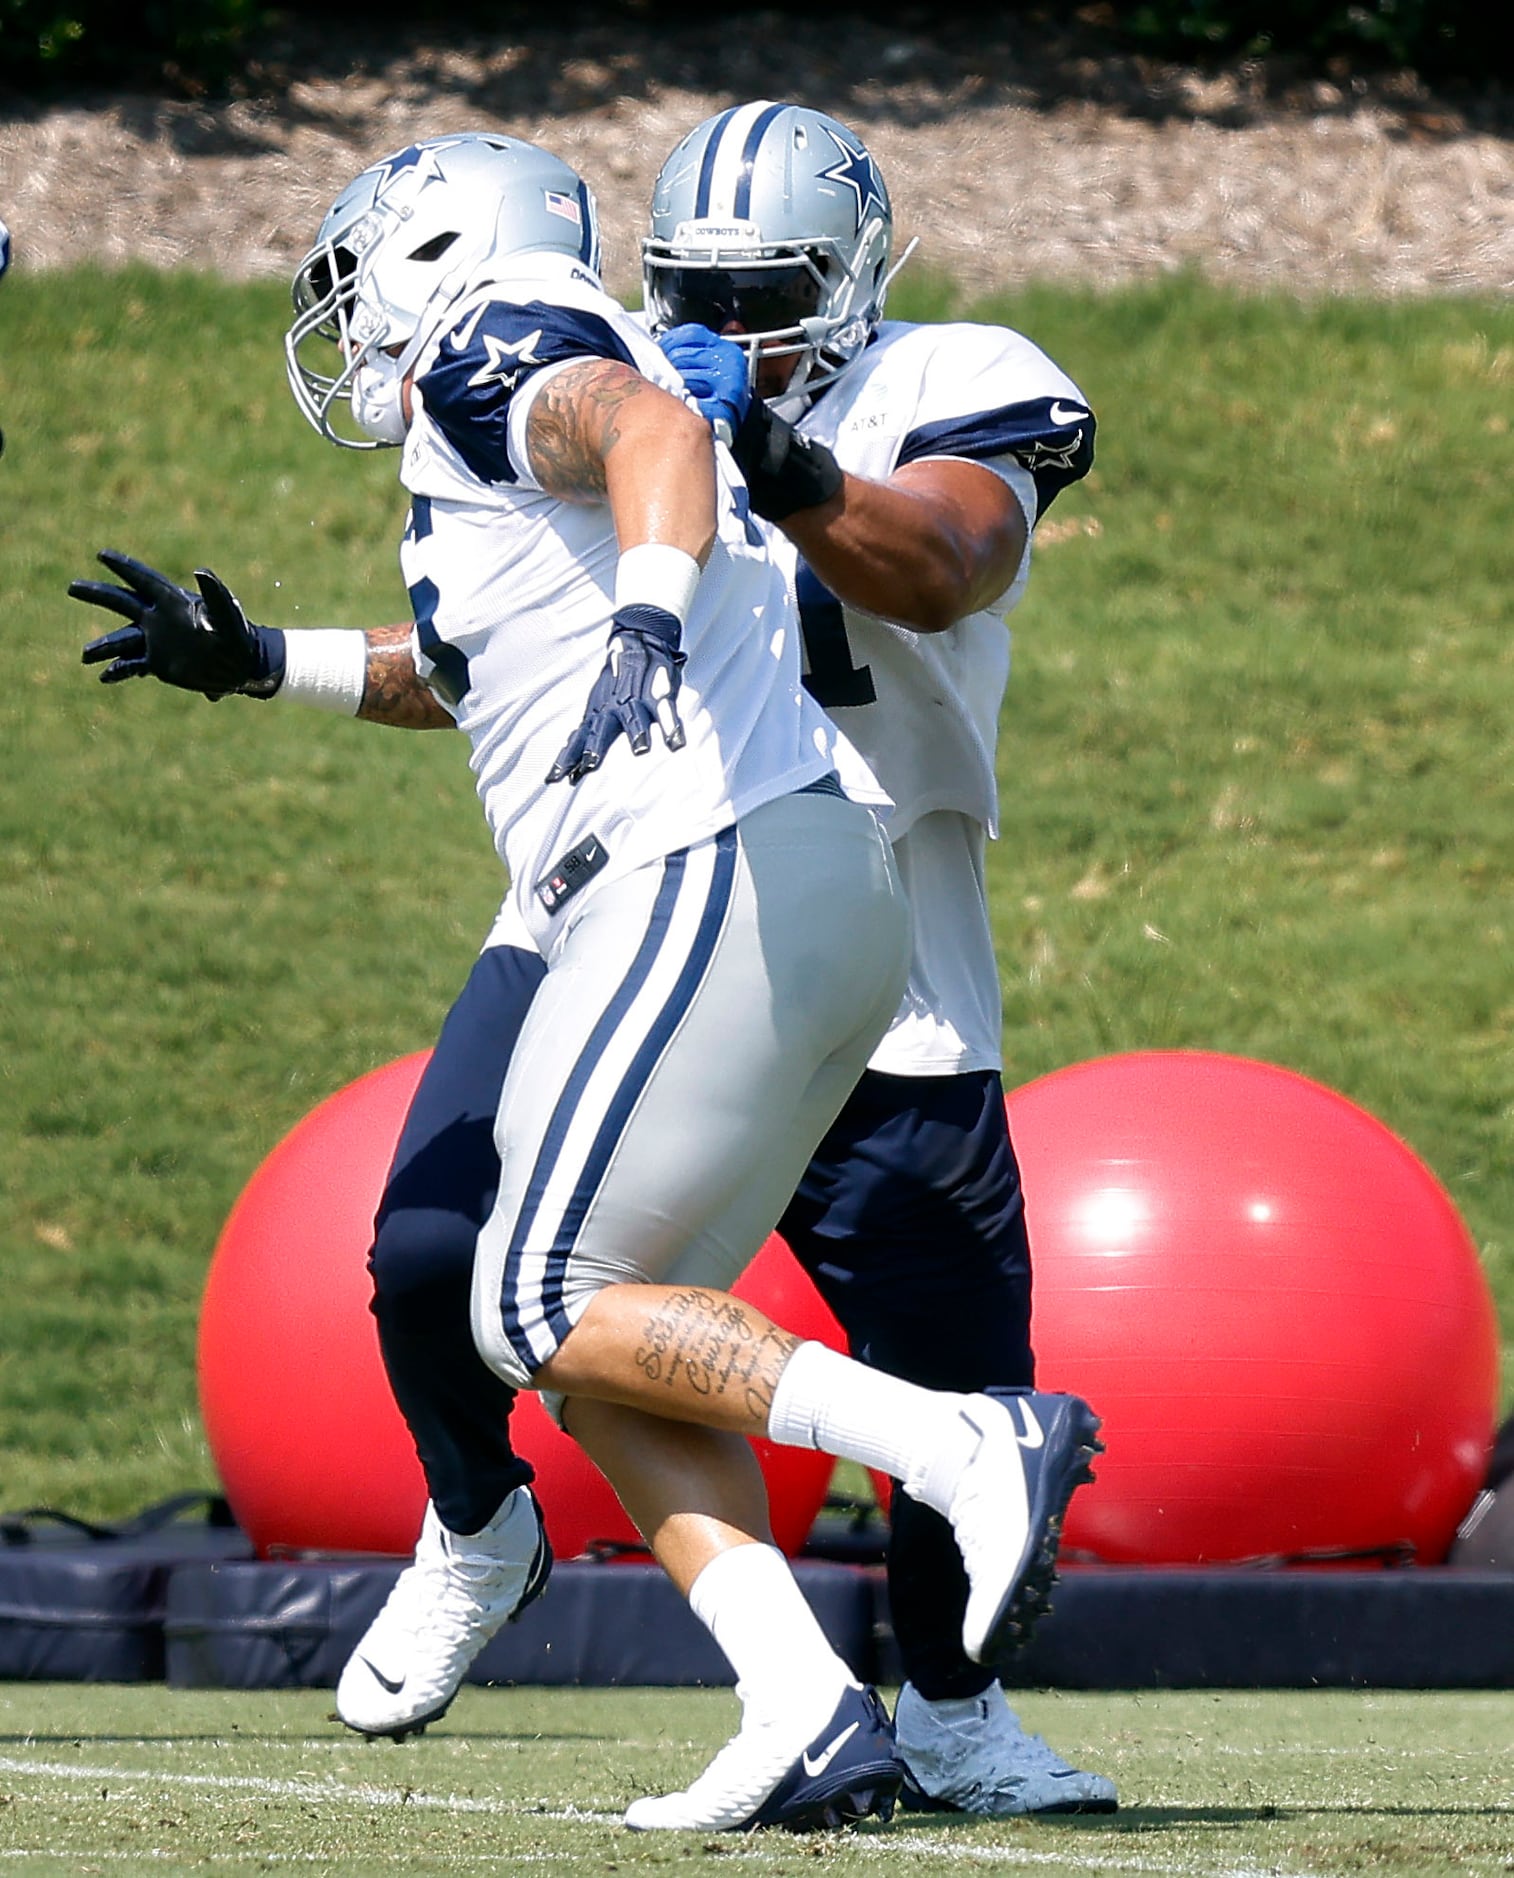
(1077, 1859)
(334, 1792)
(324, 1791)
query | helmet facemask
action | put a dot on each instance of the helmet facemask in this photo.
(329, 312)
(772, 218)
(787, 301)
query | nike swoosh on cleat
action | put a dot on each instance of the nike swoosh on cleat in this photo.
(827, 1754)
(1032, 1437)
(1065, 414)
(379, 1676)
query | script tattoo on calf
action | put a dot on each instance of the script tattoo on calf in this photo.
(704, 1343)
(572, 427)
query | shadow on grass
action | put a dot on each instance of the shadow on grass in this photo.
(1128, 1819)
(1160, 1818)
(1151, 1819)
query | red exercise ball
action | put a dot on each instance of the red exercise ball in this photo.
(312, 1453)
(1269, 1299)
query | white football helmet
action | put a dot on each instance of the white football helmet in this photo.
(399, 246)
(774, 217)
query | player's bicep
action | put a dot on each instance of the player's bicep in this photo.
(981, 514)
(576, 417)
(1052, 437)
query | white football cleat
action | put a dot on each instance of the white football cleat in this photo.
(1007, 1509)
(443, 1609)
(776, 1772)
(972, 1756)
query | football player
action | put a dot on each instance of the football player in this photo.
(901, 469)
(719, 939)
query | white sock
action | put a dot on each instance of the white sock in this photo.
(748, 1600)
(831, 1402)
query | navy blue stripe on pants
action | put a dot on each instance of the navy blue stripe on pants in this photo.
(542, 1298)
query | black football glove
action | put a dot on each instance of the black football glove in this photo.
(784, 471)
(200, 642)
(637, 689)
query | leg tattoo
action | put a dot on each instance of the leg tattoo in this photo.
(705, 1343)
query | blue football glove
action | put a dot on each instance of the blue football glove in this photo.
(200, 642)
(784, 471)
(637, 689)
(715, 371)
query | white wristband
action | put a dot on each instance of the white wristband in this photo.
(654, 574)
(327, 667)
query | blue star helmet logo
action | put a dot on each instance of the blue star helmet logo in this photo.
(860, 174)
(422, 161)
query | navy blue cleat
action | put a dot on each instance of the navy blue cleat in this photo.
(844, 1773)
(847, 1773)
(1034, 1450)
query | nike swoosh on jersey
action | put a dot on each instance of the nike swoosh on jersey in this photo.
(1065, 413)
(459, 341)
(379, 1676)
(827, 1754)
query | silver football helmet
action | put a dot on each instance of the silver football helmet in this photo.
(774, 218)
(398, 247)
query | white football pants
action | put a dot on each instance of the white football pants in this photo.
(701, 1023)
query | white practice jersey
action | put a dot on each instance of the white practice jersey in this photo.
(512, 591)
(922, 709)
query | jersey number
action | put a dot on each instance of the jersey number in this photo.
(450, 677)
(832, 678)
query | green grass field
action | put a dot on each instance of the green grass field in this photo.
(1216, 1785)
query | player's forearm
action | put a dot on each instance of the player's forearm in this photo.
(394, 692)
(353, 673)
(924, 549)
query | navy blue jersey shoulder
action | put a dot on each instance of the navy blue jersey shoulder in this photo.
(1051, 437)
(486, 359)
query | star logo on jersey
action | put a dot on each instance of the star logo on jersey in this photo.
(859, 173)
(504, 361)
(1040, 455)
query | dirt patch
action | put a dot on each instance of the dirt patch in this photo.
(1011, 155)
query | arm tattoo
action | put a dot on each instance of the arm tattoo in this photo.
(573, 426)
(704, 1343)
(393, 690)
